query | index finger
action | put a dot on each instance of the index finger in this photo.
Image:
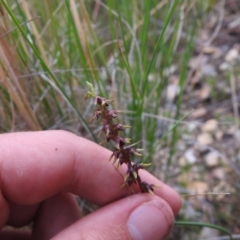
(37, 165)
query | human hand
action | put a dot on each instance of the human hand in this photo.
(40, 172)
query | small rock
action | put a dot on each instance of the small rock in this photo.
(209, 50)
(205, 139)
(172, 92)
(232, 55)
(207, 232)
(199, 112)
(192, 126)
(152, 77)
(219, 135)
(209, 70)
(212, 159)
(204, 34)
(182, 162)
(214, 51)
(170, 70)
(235, 23)
(197, 62)
(224, 66)
(204, 92)
(210, 125)
(219, 173)
(198, 187)
(186, 177)
(190, 156)
(232, 130)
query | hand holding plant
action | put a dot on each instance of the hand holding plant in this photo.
(41, 172)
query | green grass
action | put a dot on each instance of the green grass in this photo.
(63, 48)
(124, 48)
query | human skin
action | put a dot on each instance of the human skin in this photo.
(40, 174)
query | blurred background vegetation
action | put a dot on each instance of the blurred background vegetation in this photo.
(175, 79)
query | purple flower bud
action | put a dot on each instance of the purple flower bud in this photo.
(112, 113)
(119, 127)
(101, 101)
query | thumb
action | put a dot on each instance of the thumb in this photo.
(138, 217)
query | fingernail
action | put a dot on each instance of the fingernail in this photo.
(152, 220)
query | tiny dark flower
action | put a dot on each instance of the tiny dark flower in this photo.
(99, 100)
(148, 188)
(145, 187)
(132, 174)
(120, 142)
(102, 101)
